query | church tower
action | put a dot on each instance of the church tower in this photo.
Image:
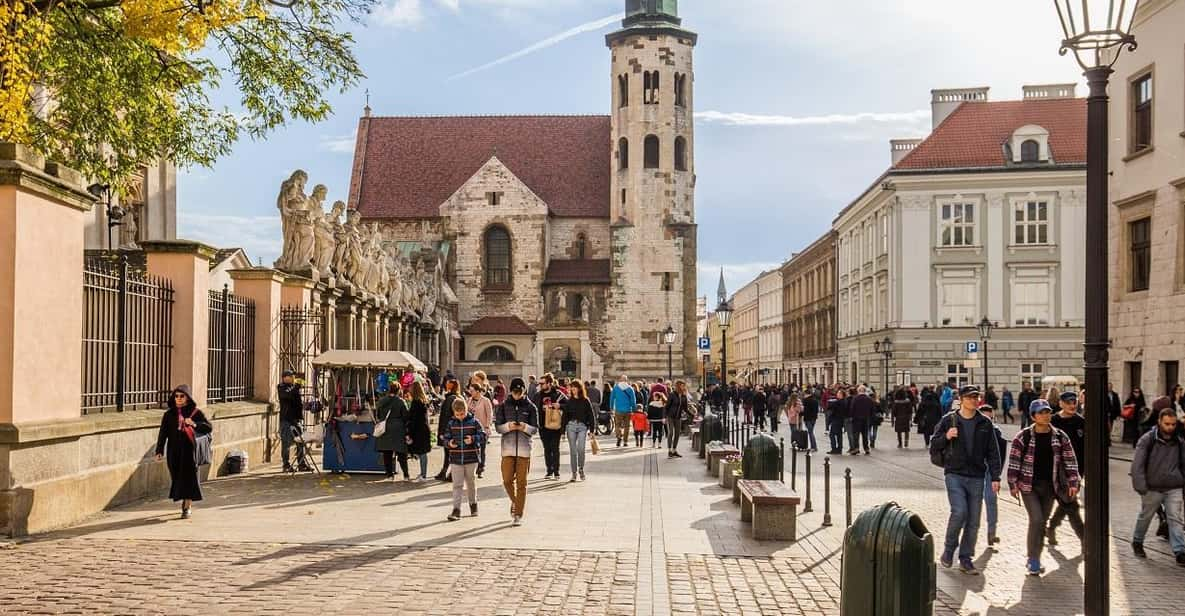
(653, 232)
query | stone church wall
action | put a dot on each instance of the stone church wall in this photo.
(565, 230)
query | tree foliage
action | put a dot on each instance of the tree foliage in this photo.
(109, 85)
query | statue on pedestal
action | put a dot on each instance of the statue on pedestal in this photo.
(291, 202)
(326, 239)
(585, 309)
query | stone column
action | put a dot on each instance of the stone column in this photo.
(263, 287)
(187, 265)
(363, 319)
(351, 326)
(330, 316)
(384, 328)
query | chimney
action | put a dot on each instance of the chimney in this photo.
(1050, 91)
(944, 102)
(899, 148)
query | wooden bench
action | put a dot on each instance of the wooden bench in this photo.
(772, 508)
(695, 439)
(718, 452)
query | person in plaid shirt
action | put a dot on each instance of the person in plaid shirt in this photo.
(1041, 467)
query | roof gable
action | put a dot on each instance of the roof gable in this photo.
(974, 134)
(406, 167)
(471, 195)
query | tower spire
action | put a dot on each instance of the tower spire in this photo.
(721, 292)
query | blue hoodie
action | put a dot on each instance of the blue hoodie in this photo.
(623, 399)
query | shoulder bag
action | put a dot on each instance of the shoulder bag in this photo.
(202, 449)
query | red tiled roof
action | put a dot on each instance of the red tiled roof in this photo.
(406, 167)
(499, 326)
(577, 271)
(975, 133)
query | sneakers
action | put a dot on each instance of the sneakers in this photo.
(967, 567)
(619, 442)
(582, 475)
(867, 453)
(473, 509)
(573, 479)
(1051, 535)
(1181, 559)
(185, 514)
(1034, 567)
(455, 515)
(946, 560)
(288, 469)
(1138, 550)
(517, 521)
(993, 539)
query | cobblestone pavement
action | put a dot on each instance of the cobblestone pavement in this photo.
(644, 535)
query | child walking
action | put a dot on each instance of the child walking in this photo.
(463, 439)
(654, 414)
(641, 425)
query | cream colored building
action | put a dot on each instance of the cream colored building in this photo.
(743, 333)
(770, 368)
(1147, 190)
(985, 217)
(808, 309)
(150, 211)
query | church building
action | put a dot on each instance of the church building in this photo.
(570, 241)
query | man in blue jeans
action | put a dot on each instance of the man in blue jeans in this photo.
(965, 445)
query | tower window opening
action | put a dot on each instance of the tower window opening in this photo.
(652, 152)
(623, 153)
(680, 90)
(581, 246)
(680, 154)
(650, 87)
(623, 87)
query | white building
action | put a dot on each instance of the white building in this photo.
(770, 367)
(744, 341)
(985, 217)
(1147, 190)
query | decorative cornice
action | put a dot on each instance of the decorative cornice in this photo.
(26, 169)
(256, 273)
(181, 247)
(1134, 199)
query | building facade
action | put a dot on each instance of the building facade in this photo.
(770, 368)
(150, 211)
(1147, 192)
(571, 239)
(808, 313)
(983, 218)
(743, 338)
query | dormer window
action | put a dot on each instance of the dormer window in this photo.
(1030, 151)
(1029, 144)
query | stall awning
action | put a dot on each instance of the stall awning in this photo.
(391, 360)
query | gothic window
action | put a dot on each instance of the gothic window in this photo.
(680, 90)
(576, 306)
(650, 87)
(652, 153)
(1030, 151)
(496, 354)
(666, 281)
(497, 258)
(581, 246)
(623, 88)
(623, 153)
(680, 154)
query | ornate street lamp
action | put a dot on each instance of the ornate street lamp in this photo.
(1096, 31)
(115, 213)
(723, 317)
(668, 336)
(985, 333)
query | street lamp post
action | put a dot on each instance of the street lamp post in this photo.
(114, 212)
(985, 332)
(723, 316)
(1096, 31)
(668, 336)
(885, 348)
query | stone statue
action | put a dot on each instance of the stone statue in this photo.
(129, 226)
(291, 202)
(410, 289)
(428, 290)
(303, 226)
(585, 309)
(395, 284)
(326, 239)
(561, 300)
(352, 257)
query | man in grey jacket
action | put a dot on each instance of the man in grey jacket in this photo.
(1158, 476)
(516, 420)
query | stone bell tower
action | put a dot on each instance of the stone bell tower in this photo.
(653, 233)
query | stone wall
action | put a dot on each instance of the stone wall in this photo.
(564, 231)
(56, 474)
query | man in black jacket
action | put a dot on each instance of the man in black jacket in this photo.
(965, 443)
(862, 410)
(291, 420)
(1069, 421)
(1027, 395)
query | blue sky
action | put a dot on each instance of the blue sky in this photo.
(795, 100)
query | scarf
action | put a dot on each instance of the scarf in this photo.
(188, 430)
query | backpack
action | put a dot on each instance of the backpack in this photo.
(552, 417)
(938, 457)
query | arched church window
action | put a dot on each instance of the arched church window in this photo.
(652, 152)
(496, 353)
(576, 306)
(581, 246)
(623, 153)
(623, 89)
(497, 258)
(650, 87)
(680, 90)
(1030, 151)
(680, 154)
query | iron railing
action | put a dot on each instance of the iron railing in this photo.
(230, 371)
(127, 339)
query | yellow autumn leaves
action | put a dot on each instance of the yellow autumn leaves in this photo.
(180, 26)
(21, 31)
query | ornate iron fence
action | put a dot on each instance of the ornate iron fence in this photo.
(230, 372)
(300, 339)
(127, 339)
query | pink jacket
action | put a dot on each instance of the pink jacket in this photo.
(483, 411)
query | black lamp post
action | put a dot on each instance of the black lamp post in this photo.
(985, 332)
(115, 213)
(1096, 31)
(723, 317)
(668, 336)
(885, 348)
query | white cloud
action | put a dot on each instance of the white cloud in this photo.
(337, 144)
(260, 236)
(591, 26)
(400, 14)
(452, 5)
(908, 118)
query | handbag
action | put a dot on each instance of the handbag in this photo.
(596, 449)
(1128, 411)
(380, 428)
(202, 445)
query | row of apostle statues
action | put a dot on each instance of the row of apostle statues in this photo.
(350, 254)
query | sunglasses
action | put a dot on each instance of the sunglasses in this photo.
(178, 396)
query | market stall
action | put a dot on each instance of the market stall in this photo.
(352, 380)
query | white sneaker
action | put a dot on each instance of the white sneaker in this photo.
(517, 521)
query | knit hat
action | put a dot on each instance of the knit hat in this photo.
(1161, 404)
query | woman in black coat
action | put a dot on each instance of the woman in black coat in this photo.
(419, 437)
(929, 414)
(392, 411)
(180, 426)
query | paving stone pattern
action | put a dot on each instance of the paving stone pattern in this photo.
(644, 535)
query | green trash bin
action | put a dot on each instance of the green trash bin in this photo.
(762, 458)
(710, 429)
(887, 568)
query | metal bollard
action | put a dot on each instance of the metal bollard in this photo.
(847, 487)
(806, 507)
(793, 466)
(827, 491)
(782, 460)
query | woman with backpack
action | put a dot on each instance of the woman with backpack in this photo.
(180, 428)
(1041, 467)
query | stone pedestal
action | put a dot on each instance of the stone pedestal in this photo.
(187, 265)
(263, 286)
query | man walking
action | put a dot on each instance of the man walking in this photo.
(964, 444)
(291, 421)
(516, 420)
(1158, 476)
(622, 402)
(862, 410)
(1027, 395)
(1069, 421)
(837, 416)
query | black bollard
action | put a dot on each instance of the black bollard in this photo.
(782, 460)
(847, 487)
(793, 466)
(827, 491)
(806, 506)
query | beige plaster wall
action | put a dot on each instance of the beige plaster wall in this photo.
(190, 275)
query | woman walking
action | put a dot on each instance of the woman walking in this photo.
(578, 420)
(1131, 426)
(419, 438)
(392, 411)
(180, 427)
(1006, 403)
(656, 417)
(902, 416)
(930, 412)
(451, 392)
(1041, 467)
(793, 414)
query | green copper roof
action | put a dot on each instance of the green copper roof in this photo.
(651, 11)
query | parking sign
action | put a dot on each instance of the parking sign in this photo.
(972, 347)
(705, 344)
